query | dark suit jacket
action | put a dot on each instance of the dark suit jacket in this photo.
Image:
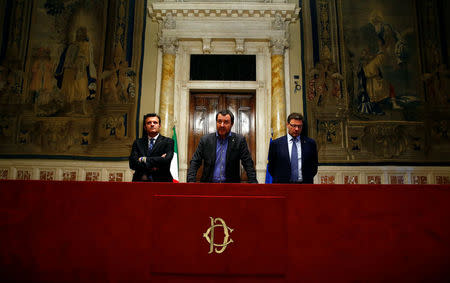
(155, 166)
(280, 164)
(206, 152)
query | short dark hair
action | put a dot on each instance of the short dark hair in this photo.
(224, 113)
(295, 116)
(152, 115)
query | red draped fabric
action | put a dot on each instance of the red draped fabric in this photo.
(163, 232)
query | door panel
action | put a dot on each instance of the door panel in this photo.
(202, 119)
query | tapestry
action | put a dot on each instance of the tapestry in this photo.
(378, 90)
(69, 77)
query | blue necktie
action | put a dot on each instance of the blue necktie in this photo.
(150, 146)
(294, 162)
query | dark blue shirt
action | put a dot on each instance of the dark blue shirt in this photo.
(221, 156)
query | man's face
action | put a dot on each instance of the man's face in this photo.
(295, 127)
(152, 126)
(223, 124)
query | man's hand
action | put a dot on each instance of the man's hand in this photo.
(143, 159)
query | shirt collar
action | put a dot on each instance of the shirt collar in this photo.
(291, 137)
(218, 137)
(154, 138)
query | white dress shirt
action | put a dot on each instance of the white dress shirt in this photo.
(299, 154)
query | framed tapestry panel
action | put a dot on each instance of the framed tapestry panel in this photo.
(70, 73)
(378, 87)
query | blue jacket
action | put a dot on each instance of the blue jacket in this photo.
(279, 160)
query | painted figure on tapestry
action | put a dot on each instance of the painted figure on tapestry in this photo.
(11, 78)
(119, 84)
(42, 80)
(437, 80)
(43, 84)
(324, 85)
(76, 73)
(383, 58)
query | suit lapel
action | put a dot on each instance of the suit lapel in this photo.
(143, 145)
(230, 147)
(214, 148)
(156, 145)
(285, 150)
(157, 142)
(303, 147)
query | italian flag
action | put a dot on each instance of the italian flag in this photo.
(174, 162)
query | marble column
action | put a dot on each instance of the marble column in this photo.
(166, 101)
(278, 98)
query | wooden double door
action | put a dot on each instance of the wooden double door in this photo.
(203, 108)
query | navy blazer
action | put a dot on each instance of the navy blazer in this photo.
(279, 160)
(156, 166)
(237, 150)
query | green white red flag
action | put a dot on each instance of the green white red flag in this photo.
(174, 162)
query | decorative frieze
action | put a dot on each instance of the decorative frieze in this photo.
(169, 22)
(233, 20)
(374, 179)
(327, 179)
(47, 174)
(70, 170)
(278, 23)
(419, 179)
(286, 11)
(93, 175)
(24, 174)
(4, 173)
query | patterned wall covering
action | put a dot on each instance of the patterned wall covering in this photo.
(69, 75)
(377, 89)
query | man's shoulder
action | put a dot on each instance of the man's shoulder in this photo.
(280, 139)
(138, 140)
(164, 138)
(308, 139)
(238, 138)
(236, 135)
(209, 136)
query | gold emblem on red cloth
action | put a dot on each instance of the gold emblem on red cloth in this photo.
(209, 235)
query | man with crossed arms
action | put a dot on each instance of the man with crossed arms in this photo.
(151, 155)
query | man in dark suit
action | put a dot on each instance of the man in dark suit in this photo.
(293, 158)
(151, 155)
(220, 153)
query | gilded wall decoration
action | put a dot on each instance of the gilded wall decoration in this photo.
(69, 82)
(380, 74)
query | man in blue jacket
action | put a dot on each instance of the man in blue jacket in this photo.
(293, 158)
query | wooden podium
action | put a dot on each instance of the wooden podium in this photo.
(154, 232)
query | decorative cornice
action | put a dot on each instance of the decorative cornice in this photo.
(285, 11)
